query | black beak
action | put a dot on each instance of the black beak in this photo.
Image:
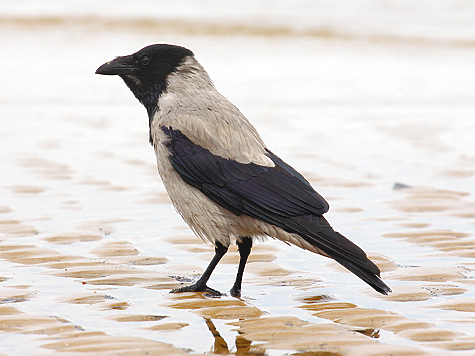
(119, 66)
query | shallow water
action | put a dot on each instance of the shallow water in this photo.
(90, 245)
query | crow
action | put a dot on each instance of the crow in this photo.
(219, 174)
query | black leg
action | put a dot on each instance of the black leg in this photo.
(200, 285)
(244, 247)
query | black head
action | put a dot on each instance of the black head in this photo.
(145, 71)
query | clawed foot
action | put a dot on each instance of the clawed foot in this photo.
(198, 288)
(235, 292)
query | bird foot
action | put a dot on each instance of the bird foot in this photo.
(235, 292)
(198, 288)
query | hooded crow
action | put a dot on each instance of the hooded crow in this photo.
(220, 176)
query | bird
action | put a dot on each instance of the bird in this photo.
(219, 174)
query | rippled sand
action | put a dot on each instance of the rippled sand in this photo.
(90, 245)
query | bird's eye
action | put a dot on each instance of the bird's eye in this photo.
(145, 60)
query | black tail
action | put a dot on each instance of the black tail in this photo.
(371, 277)
(317, 231)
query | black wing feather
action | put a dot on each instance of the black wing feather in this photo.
(277, 195)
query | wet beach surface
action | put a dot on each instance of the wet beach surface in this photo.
(90, 245)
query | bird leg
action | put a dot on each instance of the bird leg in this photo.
(244, 247)
(200, 285)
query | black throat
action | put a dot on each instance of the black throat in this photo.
(148, 95)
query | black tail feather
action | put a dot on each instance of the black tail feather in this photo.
(317, 231)
(372, 279)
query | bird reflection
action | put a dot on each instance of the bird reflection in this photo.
(220, 347)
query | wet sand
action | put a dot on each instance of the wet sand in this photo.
(90, 245)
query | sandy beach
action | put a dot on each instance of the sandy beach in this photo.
(374, 103)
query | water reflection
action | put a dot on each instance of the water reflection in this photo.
(220, 347)
(374, 333)
(319, 298)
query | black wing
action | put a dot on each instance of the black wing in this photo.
(277, 195)
(265, 193)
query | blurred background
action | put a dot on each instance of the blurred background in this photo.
(432, 21)
(373, 101)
